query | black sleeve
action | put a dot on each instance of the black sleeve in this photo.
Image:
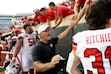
(55, 40)
(36, 52)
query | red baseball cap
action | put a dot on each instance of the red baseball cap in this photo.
(17, 31)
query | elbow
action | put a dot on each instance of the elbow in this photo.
(76, 71)
(38, 68)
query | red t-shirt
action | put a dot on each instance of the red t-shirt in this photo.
(50, 14)
(80, 1)
(42, 18)
(36, 18)
(63, 11)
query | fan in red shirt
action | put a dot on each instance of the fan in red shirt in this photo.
(61, 11)
(46, 15)
(37, 13)
(50, 14)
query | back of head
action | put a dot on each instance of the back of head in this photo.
(98, 13)
(26, 25)
(51, 4)
(43, 9)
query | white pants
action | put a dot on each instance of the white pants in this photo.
(70, 62)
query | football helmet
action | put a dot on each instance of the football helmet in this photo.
(12, 68)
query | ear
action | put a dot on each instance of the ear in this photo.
(109, 21)
(39, 36)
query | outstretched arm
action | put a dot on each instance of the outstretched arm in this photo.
(64, 33)
(76, 8)
(58, 22)
(82, 12)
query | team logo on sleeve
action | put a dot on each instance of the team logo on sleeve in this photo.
(51, 45)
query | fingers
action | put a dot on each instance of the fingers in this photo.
(13, 59)
(74, 17)
(56, 59)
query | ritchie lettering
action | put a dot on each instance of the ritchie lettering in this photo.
(99, 38)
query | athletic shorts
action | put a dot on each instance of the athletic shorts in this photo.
(27, 63)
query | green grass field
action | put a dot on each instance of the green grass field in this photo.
(1, 69)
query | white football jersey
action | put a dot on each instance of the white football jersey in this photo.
(94, 50)
(29, 41)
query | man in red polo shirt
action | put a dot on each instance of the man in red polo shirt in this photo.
(61, 11)
(46, 15)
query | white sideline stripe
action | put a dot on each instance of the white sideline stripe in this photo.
(6, 52)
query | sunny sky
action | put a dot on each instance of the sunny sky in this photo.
(22, 6)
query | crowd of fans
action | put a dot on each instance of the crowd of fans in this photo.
(44, 14)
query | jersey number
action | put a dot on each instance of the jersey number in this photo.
(98, 64)
(31, 41)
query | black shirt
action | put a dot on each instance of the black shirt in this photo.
(44, 53)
